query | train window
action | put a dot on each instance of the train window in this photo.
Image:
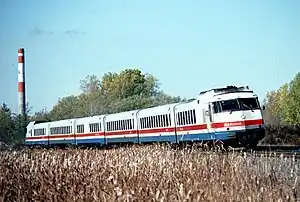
(141, 123)
(180, 118)
(229, 105)
(194, 116)
(249, 103)
(185, 117)
(159, 120)
(152, 121)
(94, 127)
(40, 131)
(144, 122)
(167, 120)
(216, 107)
(80, 128)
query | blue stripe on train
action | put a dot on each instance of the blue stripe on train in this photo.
(165, 138)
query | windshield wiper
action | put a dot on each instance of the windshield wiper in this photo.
(249, 107)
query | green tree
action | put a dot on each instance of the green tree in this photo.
(65, 108)
(6, 124)
(90, 84)
(127, 90)
(42, 115)
(292, 107)
(277, 105)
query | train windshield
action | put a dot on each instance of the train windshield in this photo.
(236, 105)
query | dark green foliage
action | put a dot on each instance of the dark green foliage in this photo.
(12, 127)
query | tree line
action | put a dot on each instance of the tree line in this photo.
(282, 114)
(130, 89)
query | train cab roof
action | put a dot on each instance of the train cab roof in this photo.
(211, 94)
(228, 89)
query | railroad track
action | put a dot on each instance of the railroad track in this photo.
(277, 154)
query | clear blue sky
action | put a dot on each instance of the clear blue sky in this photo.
(188, 45)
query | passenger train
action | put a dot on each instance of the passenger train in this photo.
(232, 115)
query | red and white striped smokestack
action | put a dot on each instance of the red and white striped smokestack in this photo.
(21, 82)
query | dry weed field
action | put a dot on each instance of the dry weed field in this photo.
(148, 173)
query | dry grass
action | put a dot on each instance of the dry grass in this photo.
(150, 173)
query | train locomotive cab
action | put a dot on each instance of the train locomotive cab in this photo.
(235, 116)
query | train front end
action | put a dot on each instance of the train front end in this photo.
(237, 112)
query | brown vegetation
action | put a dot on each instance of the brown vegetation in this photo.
(149, 173)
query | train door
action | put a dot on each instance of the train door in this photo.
(74, 131)
(208, 120)
(104, 129)
(48, 135)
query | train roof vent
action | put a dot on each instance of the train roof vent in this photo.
(228, 89)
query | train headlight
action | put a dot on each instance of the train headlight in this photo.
(243, 117)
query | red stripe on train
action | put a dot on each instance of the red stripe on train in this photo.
(155, 130)
(237, 123)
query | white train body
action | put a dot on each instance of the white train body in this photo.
(226, 114)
